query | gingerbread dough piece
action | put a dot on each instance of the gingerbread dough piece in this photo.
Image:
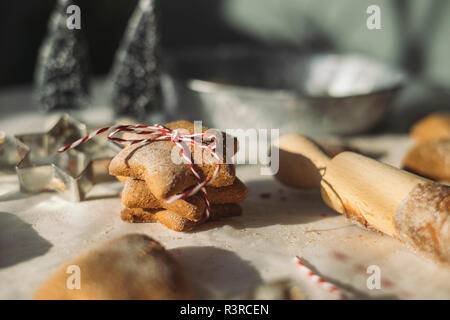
(422, 220)
(130, 267)
(430, 159)
(433, 126)
(136, 194)
(174, 221)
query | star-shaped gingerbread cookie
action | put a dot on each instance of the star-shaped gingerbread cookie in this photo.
(161, 166)
(136, 194)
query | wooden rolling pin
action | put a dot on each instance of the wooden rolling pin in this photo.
(383, 198)
(301, 161)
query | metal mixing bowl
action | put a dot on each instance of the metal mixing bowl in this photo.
(315, 94)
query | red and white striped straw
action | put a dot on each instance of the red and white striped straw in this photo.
(329, 287)
(158, 133)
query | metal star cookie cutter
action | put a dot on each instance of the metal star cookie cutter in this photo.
(11, 152)
(72, 174)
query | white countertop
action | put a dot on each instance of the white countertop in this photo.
(40, 232)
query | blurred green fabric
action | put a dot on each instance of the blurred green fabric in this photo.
(415, 33)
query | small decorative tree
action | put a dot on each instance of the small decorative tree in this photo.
(62, 70)
(135, 75)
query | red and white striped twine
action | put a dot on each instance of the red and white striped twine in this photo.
(158, 133)
(319, 280)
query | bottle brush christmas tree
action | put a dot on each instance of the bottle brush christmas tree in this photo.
(135, 75)
(62, 70)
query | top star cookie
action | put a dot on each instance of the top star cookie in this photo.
(165, 172)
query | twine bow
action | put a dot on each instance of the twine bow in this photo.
(159, 133)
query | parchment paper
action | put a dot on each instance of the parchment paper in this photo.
(224, 259)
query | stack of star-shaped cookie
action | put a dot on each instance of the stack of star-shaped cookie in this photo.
(154, 171)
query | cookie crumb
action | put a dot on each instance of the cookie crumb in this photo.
(265, 195)
(339, 256)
